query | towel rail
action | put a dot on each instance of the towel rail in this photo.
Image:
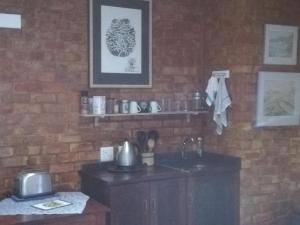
(221, 73)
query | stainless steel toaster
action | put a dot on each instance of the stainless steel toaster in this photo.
(32, 183)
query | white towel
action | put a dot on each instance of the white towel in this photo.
(221, 101)
(211, 90)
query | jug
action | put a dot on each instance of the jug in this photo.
(127, 154)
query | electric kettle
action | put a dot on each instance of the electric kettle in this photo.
(127, 154)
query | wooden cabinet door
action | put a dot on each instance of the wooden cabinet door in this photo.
(167, 203)
(130, 204)
(213, 199)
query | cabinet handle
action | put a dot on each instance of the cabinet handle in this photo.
(191, 200)
(153, 205)
(145, 206)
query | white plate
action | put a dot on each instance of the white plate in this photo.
(51, 204)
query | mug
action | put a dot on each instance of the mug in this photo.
(154, 107)
(144, 106)
(134, 107)
(125, 106)
(99, 104)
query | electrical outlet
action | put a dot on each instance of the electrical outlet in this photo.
(107, 154)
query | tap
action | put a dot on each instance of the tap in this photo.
(183, 146)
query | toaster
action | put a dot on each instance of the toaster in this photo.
(33, 183)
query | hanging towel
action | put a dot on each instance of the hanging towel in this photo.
(219, 97)
(211, 90)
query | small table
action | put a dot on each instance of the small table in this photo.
(295, 219)
(94, 214)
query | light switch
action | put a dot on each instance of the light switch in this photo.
(10, 21)
(106, 154)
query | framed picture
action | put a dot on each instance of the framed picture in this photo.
(278, 99)
(280, 45)
(120, 47)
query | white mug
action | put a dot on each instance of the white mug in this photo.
(99, 104)
(134, 107)
(154, 107)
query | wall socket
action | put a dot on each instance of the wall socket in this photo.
(107, 154)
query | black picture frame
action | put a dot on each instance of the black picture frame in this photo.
(111, 64)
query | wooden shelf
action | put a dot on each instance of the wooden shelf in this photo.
(188, 114)
(145, 114)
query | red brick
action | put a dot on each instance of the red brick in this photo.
(69, 177)
(54, 108)
(81, 147)
(34, 139)
(17, 98)
(41, 159)
(43, 98)
(34, 150)
(28, 87)
(83, 156)
(6, 109)
(61, 168)
(4, 87)
(67, 157)
(66, 138)
(15, 161)
(6, 152)
(27, 108)
(152, 124)
(47, 77)
(8, 183)
(72, 37)
(56, 148)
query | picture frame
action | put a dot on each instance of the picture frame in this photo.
(278, 99)
(120, 43)
(281, 43)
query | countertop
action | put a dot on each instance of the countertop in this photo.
(214, 163)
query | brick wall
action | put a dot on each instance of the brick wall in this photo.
(270, 156)
(44, 67)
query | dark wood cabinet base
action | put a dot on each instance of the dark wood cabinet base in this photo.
(162, 196)
(94, 214)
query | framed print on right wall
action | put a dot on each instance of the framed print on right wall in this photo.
(281, 44)
(278, 99)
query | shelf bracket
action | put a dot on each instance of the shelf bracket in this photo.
(188, 118)
(96, 121)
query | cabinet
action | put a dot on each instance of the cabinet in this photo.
(168, 202)
(158, 202)
(93, 214)
(213, 199)
(129, 204)
(160, 195)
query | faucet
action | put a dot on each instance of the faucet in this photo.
(183, 146)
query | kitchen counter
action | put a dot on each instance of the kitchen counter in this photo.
(213, 163)
(190, 191)
(94, 214)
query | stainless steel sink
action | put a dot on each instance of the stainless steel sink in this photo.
(186, 166)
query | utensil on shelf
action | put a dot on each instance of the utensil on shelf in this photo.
(152, 139)
(142, 139)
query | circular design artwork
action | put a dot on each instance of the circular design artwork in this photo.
(120, 38)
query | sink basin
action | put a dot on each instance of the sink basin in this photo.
(186, 166)
(191, 162)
